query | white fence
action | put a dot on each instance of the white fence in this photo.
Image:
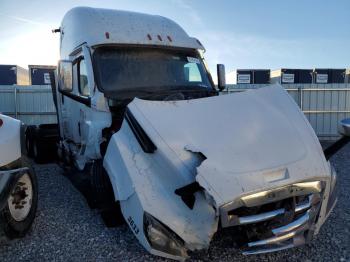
(323, 104)
(30, 104)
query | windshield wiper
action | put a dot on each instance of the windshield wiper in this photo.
(149, 92)
(195, 89)
(186, 92)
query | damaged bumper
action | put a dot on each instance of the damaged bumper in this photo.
(277, 219)
(262, 222)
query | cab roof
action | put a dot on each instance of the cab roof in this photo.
(96, 26)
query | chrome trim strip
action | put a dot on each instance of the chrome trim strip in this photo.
(268, 196)
(296, 224)
(304, 206)
(260, 217)
(272, 195)
(272, 240)
(268, 250)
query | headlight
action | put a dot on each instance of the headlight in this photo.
(162, 238)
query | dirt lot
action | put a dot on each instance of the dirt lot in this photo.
(66, 229)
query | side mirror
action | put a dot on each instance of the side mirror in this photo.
(65, 76)
(221, 77)
(344, 128)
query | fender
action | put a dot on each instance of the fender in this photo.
(114, 165)
(146, 183)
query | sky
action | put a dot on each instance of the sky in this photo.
(240, 34)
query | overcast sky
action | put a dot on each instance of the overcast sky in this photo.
(239, 34)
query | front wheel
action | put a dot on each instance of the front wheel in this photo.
(18, 215)
(104, 196)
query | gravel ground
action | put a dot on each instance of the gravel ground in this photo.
(66, 229)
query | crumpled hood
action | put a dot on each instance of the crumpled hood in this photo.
(251, 140)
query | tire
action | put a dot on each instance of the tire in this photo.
(15, 221)
(38, 152)
(104, 195)
(29, 141)
(100, 184)
(42, 143)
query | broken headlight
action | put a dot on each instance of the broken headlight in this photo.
(162, 238)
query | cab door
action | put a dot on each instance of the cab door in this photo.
(76, 97)
(81, 111)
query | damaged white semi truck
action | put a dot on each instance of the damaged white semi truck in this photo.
(137, 105)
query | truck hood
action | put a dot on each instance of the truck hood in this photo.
(250, 140)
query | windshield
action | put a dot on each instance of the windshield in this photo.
(148, 70)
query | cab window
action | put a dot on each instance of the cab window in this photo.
(192, 73)
(83, 78)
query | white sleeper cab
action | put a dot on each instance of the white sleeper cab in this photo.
(139, 114)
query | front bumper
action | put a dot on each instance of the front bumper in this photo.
(277, 219)
(273, 220)
(9, 176)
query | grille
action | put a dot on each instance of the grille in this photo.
(276, 219)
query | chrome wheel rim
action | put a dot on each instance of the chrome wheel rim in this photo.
(20, 200)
